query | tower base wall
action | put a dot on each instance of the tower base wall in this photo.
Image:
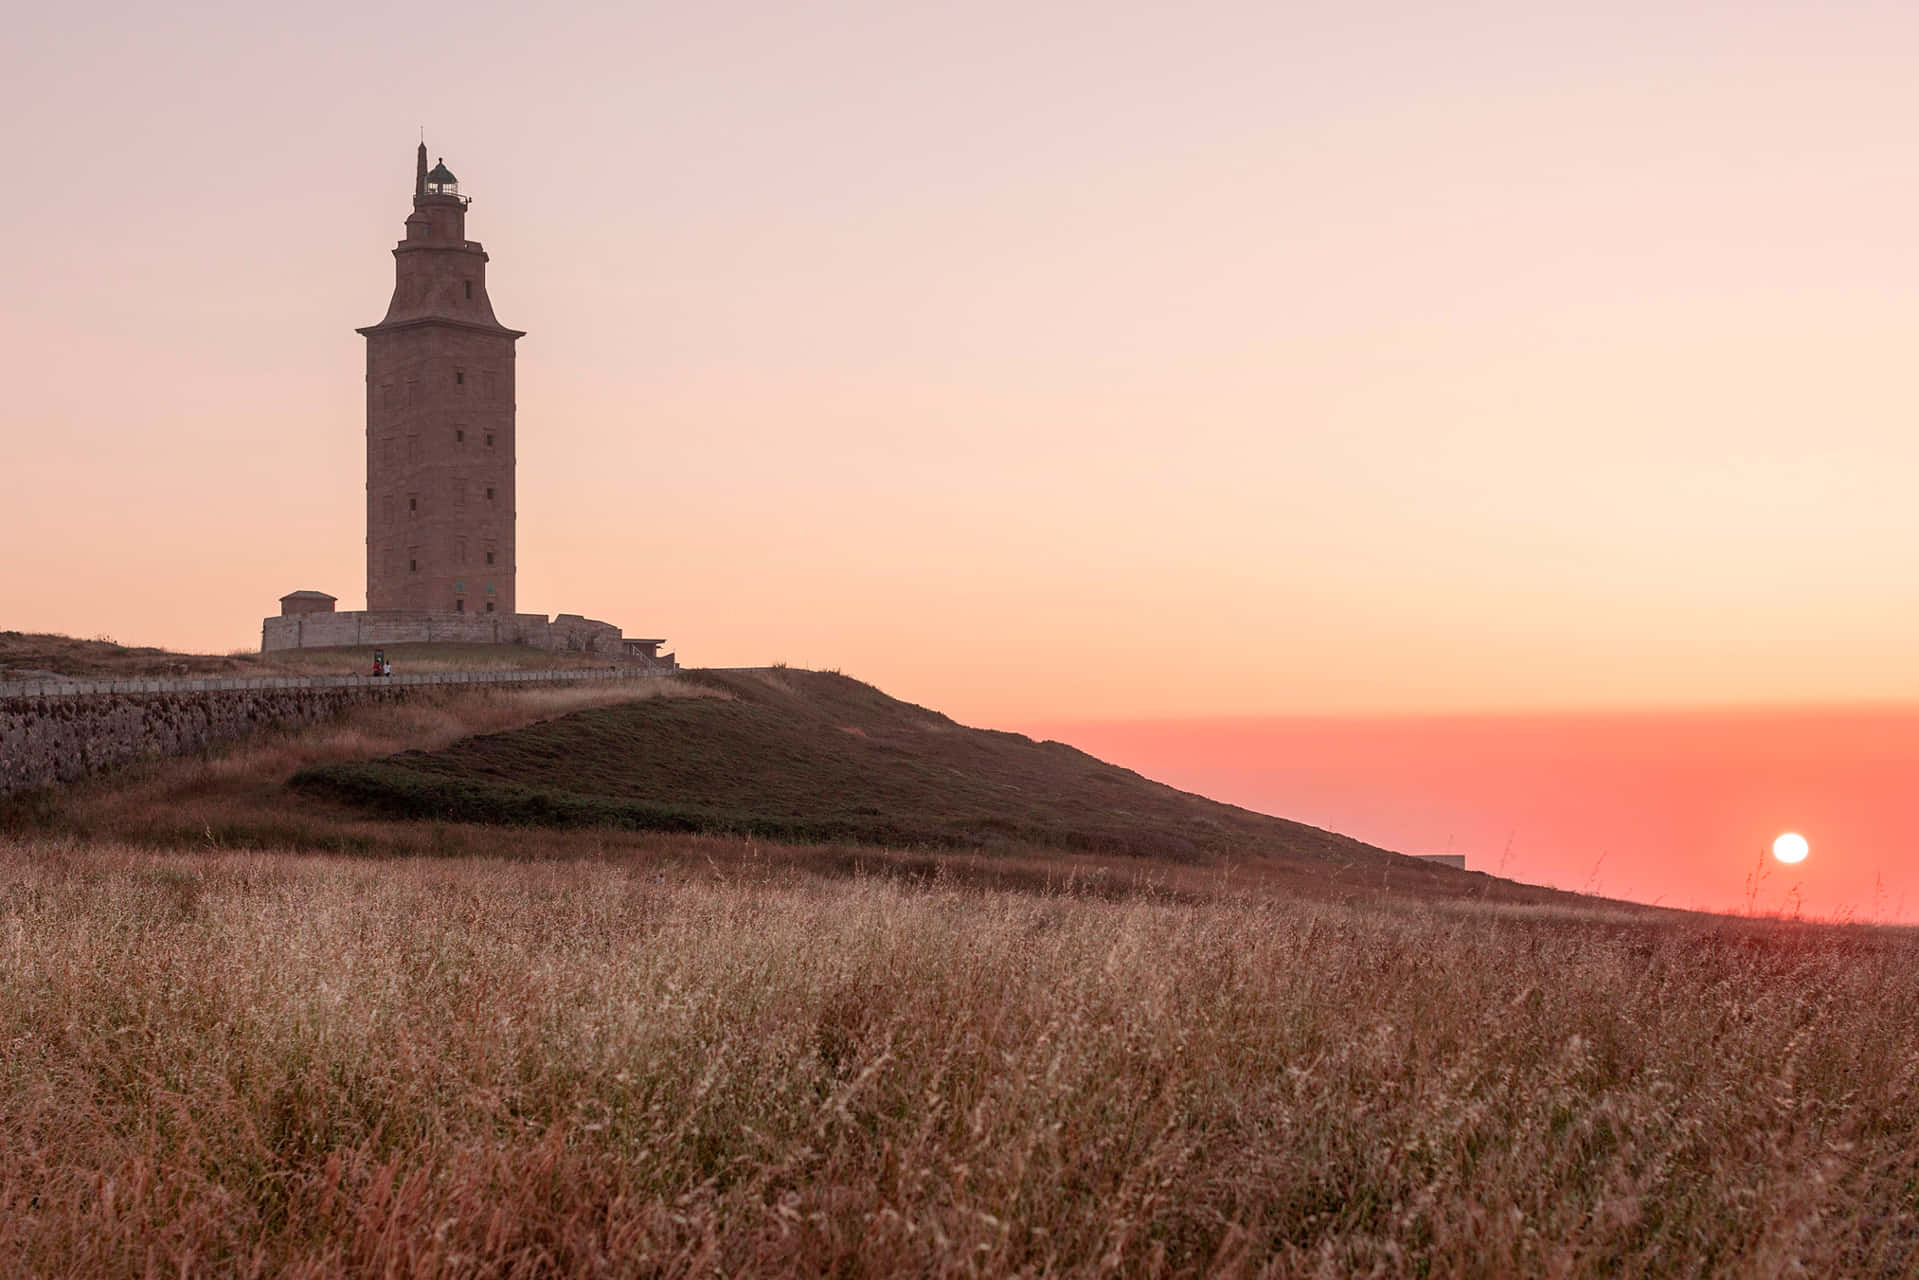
(567, 632)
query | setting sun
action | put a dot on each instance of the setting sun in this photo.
(1791, 847)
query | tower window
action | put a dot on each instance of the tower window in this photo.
(459, 436)
(489, 493)
(459, 377)
(469, 289)
(459, 606)
(489, 439)
(489, 606)
(489, 557)
(412, 504)
(412, 566)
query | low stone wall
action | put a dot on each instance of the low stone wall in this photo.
(54, 731)
(569, 632)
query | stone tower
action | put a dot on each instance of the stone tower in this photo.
(439, 421)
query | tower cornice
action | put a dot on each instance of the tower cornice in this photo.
(439, 246)
(450, 322)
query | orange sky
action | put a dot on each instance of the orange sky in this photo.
(1061, 363)
(1674, 807)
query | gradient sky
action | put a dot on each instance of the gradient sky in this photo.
(1677, 808)
(1044, 363)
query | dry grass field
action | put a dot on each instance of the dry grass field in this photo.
(254, 1064)
(250, 1030)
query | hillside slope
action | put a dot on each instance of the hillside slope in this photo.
(811, 756)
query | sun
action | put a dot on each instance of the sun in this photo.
(1791, 847)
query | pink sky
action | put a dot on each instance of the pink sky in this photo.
(1675, 807)
(1048, 364)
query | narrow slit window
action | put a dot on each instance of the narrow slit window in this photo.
(469, 289)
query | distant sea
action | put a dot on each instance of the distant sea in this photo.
(1674, 807)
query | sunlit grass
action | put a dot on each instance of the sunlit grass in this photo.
(253, 1063)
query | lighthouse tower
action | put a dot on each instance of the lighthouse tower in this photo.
(439, 421)
(440, 514)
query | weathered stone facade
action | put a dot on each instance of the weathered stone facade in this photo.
(567, 633)
(440, 422)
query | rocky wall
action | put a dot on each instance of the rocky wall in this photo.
(50, 740)
(56, 731)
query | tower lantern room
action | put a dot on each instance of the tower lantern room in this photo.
(441, 182)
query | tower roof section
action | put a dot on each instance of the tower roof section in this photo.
(440, 275)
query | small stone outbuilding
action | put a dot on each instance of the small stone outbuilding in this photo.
(299, 602)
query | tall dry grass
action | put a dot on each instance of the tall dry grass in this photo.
(266, 1064)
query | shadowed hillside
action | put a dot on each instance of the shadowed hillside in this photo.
(811, 756)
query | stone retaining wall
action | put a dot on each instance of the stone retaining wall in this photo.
(54, 731)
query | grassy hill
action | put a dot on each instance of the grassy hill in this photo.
(812, 756)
